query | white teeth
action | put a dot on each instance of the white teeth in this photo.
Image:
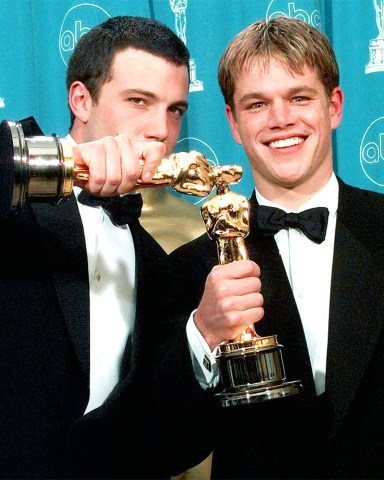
(288, 142)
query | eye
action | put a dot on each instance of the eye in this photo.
(177, 110)
(300, 99)
(256, 106)
(137, 101)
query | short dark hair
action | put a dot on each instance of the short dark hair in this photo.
(92, 58)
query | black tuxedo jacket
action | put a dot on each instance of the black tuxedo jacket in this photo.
(44, 341)
(45, 361)
(341, 433)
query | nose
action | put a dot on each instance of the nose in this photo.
(281, 115)
(157, 126)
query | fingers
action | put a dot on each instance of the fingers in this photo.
(231, 302)
(151, 153)
(115, 164)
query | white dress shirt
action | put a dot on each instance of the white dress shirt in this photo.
(112, 297)
(309, 268)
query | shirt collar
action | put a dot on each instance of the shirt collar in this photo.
(327, 197)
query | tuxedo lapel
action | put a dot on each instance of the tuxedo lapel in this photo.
(66, 252)
(354, 320)
(281, 316)
(354, 323)
(147, 254)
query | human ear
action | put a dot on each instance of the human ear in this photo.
(80, 101)
(336, 107)
(231, 117)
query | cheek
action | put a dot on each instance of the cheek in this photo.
(246, 130)
(106, 120)
(251, 124)
(174, 128)
(172, 139)
(123, 123)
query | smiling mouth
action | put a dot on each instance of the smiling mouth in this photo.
(288, 142)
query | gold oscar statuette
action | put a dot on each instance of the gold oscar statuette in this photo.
(251, 367)
(44, 169)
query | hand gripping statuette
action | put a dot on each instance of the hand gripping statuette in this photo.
(43, 169)
(251, 367)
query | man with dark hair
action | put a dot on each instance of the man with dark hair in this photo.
(75, 312)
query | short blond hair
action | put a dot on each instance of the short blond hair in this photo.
(288, 40)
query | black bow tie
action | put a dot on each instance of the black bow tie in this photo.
(122, 210)
(312, 222)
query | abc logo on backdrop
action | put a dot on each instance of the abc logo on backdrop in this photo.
(77, 21)
(372, 152)
(299, 9)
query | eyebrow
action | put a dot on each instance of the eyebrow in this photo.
(148, 93)
(291, 92)
(138, 91)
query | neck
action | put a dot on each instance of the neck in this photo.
(294, 197)
(77, 132)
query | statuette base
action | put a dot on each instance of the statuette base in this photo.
(253, 371)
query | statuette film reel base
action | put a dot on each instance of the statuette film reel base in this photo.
(251, 367)
(253, 371)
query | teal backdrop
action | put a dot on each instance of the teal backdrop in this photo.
(37, 38)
